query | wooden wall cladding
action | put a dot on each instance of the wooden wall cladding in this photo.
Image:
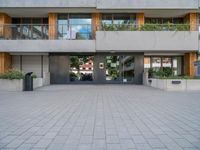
(5, 62)
(53, 26)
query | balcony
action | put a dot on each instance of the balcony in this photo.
(167, 37)
(45, 38)
(47, 3)
(147, 4)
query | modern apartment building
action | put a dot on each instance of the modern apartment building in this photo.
(98, 41)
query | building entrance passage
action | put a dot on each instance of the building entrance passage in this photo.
(99, 68)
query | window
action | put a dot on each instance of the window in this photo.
(75, 26)
(164, 20)
(118, 18)
(164, 62)
(30, 28)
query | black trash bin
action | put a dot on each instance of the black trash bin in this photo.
(28, 82)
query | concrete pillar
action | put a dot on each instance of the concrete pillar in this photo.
(96, 22)
(189, 59)
(5, 29)
(53, 26)
(140, 19)
(192, 20)
(5, 62)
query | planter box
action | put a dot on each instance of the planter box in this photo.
(11, 85)
(175, 84)
(37, 82)
(17, 85)
(193, 85)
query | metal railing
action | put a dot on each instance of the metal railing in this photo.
(45, 32)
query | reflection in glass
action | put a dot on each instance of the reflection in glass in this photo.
(120, 68)
(112, 68)
(118, 19)
(156, 63)
(147, 62)
(167, 62)
(75, 26)
(128, 68)
(81, 68)
(177, 66)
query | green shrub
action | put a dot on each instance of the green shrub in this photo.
(162, 72)
(12, 74)
(165, 27)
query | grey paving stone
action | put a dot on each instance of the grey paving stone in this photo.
(127, 143)
(43, 143)
(112, 139)
(14, 144)
(139, 139)
(86, 139)
(183, 143)
(100, 117)
(156, 143)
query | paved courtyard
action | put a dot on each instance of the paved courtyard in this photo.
(100, 117)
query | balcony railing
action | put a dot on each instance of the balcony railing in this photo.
(78, 32)
(45, 32)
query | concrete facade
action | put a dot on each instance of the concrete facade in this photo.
(47, 45)
(154, 41)
(75, 28)
(105, 4)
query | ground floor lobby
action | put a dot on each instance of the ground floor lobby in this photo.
(100, 68)
(96, 68)
(94, 117)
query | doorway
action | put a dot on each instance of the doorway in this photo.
(120, 69)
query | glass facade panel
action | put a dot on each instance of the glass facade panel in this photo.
(81, 68)
(164, 20)
(113, 68)
(156, 63)
(75, 26)
(120, 68)
(163, 62)
(119, 18)
(30, 28)
(128, 71)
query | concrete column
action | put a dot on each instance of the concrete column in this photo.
(192, 20)
(140, 19)
(189, 59)
(53, 26)
(96, 22)
(5, 62)
(5, 29)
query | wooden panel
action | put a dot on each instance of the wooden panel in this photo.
(189, 59)
(140, 19)
(5, 30)
(192, 20)
(96, 22)
(5, 62)
(53, 26)
(147, 60)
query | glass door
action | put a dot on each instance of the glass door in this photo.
(128, 71)
(120, 69)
